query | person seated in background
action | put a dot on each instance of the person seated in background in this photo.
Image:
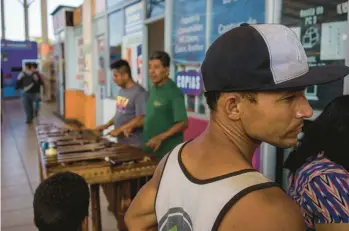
(319, 169)
(61, 203)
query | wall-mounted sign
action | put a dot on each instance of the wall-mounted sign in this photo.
(101, 61)
(322, 30)
(80, 67)
(227, 14)
(190, 82)
(133, 18)
(132, 52)
(189, 31)
(16, 44)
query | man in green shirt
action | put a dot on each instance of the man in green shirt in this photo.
(166, 115)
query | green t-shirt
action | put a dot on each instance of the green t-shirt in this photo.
(165, 107)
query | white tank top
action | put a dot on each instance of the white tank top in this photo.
(184, 203)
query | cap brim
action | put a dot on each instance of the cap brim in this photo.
(315, 76)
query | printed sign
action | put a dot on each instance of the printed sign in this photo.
(132, 52)
(133, 18)
(228, 14)
(190, 82)
(189, 31)
(80, 58)
(101, 61)
(322, 31)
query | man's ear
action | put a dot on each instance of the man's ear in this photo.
(231, 105)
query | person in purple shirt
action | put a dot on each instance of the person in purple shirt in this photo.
(319, 169)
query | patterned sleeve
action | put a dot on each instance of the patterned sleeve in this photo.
(327, 197)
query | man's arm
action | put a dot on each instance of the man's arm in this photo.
(140, 216)
(180, 117)
(127, 128)
(105, 126)
(138, 121)
(267, 209)
(19, 82)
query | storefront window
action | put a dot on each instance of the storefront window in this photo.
(322, 28)
(189, 31)
(99, 6)
(229, 14)
(111, 3)
(116, 32)
(189, 39)
(155, 8)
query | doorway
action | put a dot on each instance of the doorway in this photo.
(156, 38)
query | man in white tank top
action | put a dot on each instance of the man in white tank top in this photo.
(254, 79)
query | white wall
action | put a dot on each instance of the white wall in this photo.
(71, 59)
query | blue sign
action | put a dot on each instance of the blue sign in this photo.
(189, 31)
(133, 18)
(228, 14)
(190, 82)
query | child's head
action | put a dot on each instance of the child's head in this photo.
(61, 202)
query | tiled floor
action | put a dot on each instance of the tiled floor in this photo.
(19, 168)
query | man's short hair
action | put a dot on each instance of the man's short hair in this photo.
(34, 65)
(212, 98)
(61, 202)
(122, 66)
(28, 64)
(162, 56)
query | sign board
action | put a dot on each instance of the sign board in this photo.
(189, 31)
(133, 18)
(101, 62)
(80, 60)
(132, 52)
(190, 82)
(228, 14)
(322, 31)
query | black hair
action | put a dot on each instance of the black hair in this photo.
(28, 64)
(162, 56)
(329, 134)
(122, 66)
(61, 202)
(212, 98)
(34, 65)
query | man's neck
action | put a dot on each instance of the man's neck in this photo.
(230, 143)
(129, 84)
(162, 82)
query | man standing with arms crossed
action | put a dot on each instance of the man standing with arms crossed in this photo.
(254, 78)
(166, 117)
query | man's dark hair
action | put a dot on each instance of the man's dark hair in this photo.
(61, 202)
(122, 66)
(34, 65)
(328, 133)
(28, 65)
(212, 98)
(162, 56)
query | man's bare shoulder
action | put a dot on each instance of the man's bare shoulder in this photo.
(267, 209)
